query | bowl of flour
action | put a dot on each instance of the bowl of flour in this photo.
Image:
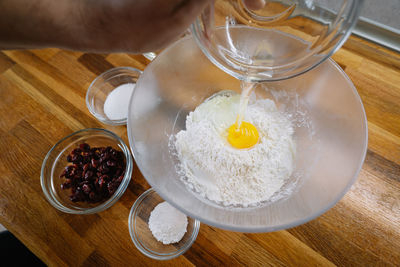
(312, 141)
(158, 230)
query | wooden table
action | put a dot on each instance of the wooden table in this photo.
(42, 99)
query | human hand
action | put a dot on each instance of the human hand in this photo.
(136, 25)
(140, 25)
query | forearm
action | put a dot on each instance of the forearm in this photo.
(134, 26)
(40, 23)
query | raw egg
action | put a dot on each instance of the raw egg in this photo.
(245, 136)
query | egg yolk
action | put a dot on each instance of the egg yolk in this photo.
(244, 137)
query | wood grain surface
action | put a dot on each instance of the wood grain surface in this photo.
(42, 100)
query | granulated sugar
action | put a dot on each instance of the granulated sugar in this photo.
(230, 176)
(167, 224)
(117, 102)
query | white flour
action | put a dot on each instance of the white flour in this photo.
(221, 173)
(167, 224)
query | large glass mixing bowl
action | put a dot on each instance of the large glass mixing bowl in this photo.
(330, 132)
(282, 39)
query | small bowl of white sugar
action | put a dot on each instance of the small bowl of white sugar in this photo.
(108, 95)
(158, 230)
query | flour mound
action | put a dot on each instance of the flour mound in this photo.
(167, 224)
(229, 176)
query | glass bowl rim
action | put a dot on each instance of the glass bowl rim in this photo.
(117, 194)
(148, 252)
(92, 87)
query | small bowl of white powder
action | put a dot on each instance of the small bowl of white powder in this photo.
(158, 230)
(108, 95)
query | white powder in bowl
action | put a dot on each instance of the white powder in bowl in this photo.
(167, 224)
(117, 102)
(230, 176)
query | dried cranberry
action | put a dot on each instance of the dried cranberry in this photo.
(66, 184)
(86, 167)
(76, 151)
(105, 156)
(118, 172)
(76, 196)
(86, 189)
(78, 172)
(88, 174)
(111, 188)
(92, 195)
(111, 163)
(101, 182)
(84, 147)
(85, 159)
(104, 168)
(76, 158)
(95, 163)
(105, 177)
(119, 179)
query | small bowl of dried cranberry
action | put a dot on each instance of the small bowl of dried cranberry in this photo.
(86, 172)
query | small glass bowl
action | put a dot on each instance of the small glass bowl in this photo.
(142, 236)
(103, 85)
(55, 162)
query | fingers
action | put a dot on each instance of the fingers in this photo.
(254, 4)
(189, 7)
(184, 12)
